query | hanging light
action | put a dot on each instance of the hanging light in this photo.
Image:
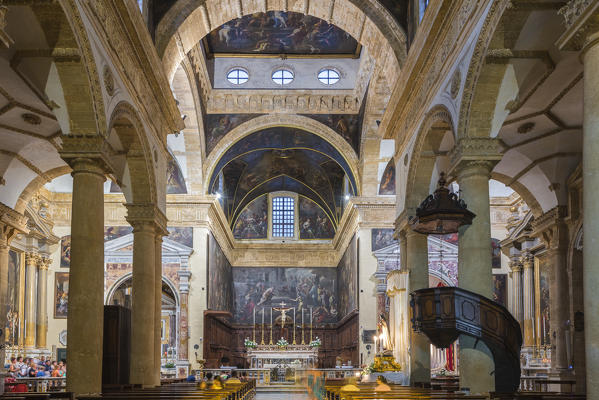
(441, 212)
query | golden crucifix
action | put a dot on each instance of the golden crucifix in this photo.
(283, 310)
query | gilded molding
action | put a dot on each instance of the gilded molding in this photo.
(582, 24)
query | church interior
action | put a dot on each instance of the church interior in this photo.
(299, 199)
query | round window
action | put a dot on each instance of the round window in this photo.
(282, 77)
(238, 76)
(328, 76)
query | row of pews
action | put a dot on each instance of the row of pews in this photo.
(368, 391)
(173, 390)
(334, 391)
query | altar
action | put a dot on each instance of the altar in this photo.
(272, 356)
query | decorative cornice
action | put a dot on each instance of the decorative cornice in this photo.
(476, 149)
(147, 214)
(582, 23)
(551, 228)
(93, 148)
(11, 223)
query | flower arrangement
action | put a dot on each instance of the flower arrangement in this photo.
(250, 344)
(316, 342)
(282, 343)
(369, 369)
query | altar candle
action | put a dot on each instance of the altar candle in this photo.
(375, 349)
(254, 316)
(262, 315)
(302, 316)
(271, 315)
(310, 315)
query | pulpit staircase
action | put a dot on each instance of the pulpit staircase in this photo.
(445, 313)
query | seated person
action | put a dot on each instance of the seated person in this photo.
(233, 378)
(206, 381)
(192, 376)
(217, 384)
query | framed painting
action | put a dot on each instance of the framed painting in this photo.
(61, 294)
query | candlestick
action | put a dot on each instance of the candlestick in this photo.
(311, 326)
(270, 342)
(294, 326)
(303, 326)
(262, 334)
(254, 325)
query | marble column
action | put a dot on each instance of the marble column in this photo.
(31, 261)
(559, 310)
(157, 308)
(417, 265)
(517, 310)
(528, 298)
(143, 292)
(590, 170)
(474, 270)
(42, 303)
(85, 322)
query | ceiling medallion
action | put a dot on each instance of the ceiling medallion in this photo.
(441, 212)
(108, 81)
(31, 119)
(526, 128)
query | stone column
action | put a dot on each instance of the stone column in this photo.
(417, 265)
(184, 279)
(528, 298)
(582, 34)
(11, 223)
(42, 303)
(474, 270)
(552, 229)
(157, 307)
(517, 310)
(31, 261)
(85, 321)
(147, 221)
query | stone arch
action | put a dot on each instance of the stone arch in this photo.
(475, 74)
(79, 79)
(134, 162)
(36, 184)
(433, 131)
(110, 294)
(188, 21)
(286, 120)
(522, 190)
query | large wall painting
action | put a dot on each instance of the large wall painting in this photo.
(220, 278)
(313, 221)
(183, 235)
(217, 126)
(65, 251)
(115, 232)
(387, 186)
(500, 289)
(61, 294)
(175, 182)
(302, 288)
(544, 302)
(347, 279)
(382, 238)
(347, 125)
(12, 315)
(252, 223)
(279, 32)
(495, 253)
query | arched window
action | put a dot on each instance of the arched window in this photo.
(282, 77)
(328, 76)
(283, 217)
(238, 76)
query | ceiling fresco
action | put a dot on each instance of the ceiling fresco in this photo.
(279, 32)
(349, 126)
(278, 159)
